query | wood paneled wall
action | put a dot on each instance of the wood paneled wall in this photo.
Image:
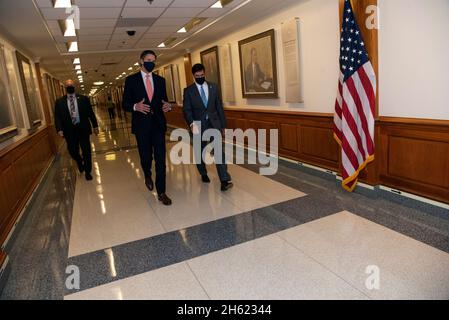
(21, 166)
(414, 156)
(411, 154)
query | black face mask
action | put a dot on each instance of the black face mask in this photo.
(149, 66)
(70, 90)
(200, 81)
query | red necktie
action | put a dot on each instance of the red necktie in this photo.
(149, 88)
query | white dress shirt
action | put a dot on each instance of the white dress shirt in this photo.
(205, 88)
(144, 77)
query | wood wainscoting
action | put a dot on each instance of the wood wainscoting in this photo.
(21, 167)
(412, 155)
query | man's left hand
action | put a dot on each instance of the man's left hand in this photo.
(96, 131)
(166, 107)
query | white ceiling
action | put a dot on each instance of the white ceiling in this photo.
(101, 42)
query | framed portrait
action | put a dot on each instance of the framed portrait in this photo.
(258, 66)
(8, 127)
(29, 90)
(209, 59)
(168, 74)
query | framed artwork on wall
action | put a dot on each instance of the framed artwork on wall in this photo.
(29, 90)
(209, 59)
(258, 66)
(168, 74)
(8, 127)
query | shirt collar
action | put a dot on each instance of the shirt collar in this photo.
(144, 75)
(200, 85)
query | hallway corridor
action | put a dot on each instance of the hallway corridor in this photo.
(295, 235)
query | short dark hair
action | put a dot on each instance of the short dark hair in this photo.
(198, 67)
(147, 52)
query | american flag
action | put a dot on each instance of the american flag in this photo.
(355, 103)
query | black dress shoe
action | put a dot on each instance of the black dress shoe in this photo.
(226, 185)
(88, 176)
(164, 199)
(205, 179)
(149, 183)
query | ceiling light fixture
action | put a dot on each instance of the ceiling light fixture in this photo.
(182, 30)
(217, 5)
(69, 28)
(62, 3)
(72, 46)
(78, 67)
(162, 45)
(76, 61)
(98, 83)
(79, 72)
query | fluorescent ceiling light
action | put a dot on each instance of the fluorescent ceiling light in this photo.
(62, 3)
(69, 28)
(98, 83)
(162, 45)
(78, 67)
(182, 30)
(76, 61)
(73, 46)
(217, 5)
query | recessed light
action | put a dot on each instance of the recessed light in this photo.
(73, 46)
(76, 61)
(98, 83)
(79, 72)
(130, 68)
(136, 64)
(69, 28)
(78, 67)
(217, 5)
(182, 30)
(162, 45)
(62, 3)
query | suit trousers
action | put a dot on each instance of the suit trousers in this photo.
(151, 143)
(74, 142)
(222, 169)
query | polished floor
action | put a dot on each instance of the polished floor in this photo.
(295, 235)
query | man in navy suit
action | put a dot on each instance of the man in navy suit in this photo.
(74, 119)
(202, 103)
(145, 96)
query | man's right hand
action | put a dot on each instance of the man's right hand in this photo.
(141, 107)
(61, 134)
(195, 129)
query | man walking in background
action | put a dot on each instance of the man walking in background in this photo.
(74, 119)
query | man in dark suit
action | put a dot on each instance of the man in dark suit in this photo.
(202, 103)
(145, 95)
(74, 119)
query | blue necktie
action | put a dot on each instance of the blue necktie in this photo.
(203, 97)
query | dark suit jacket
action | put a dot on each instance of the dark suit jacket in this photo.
(63, 120)
(194, 109)
(134, 93)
